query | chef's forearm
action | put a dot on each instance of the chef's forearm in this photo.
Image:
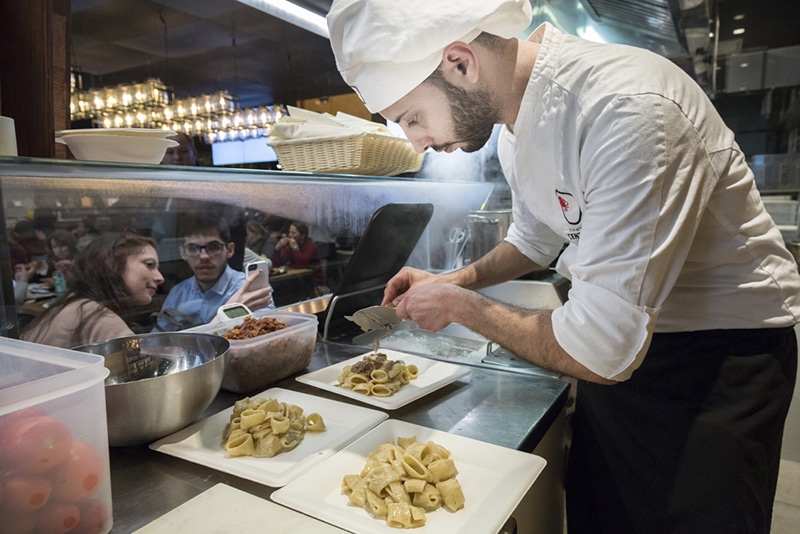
(501, 264)
(526, 333)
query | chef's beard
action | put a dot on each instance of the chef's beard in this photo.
(474, 114)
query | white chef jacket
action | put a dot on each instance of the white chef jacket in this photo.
(619, 153)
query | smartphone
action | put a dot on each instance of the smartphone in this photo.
(263, 279)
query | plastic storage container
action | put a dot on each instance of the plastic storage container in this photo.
(54, 466)
(258, 362)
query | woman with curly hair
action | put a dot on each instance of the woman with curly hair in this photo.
(108, 277)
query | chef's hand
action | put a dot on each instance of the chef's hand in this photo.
(404, 280)
(254, 299)
(433, 306)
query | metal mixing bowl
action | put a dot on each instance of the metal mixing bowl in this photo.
(158, 383)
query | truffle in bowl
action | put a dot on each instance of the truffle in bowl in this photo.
(158, 383)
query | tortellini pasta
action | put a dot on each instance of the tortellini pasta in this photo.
(376, 375)
(265, 427)
(401, 483)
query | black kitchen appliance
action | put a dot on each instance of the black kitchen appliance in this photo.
(383, 249)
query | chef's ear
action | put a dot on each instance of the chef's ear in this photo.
(459, 63)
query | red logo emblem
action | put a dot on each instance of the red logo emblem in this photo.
(570, 209)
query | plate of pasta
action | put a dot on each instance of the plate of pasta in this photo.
(489, 491)
(204, 442)
(397, 378)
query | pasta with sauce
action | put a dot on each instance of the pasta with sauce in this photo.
(402, 482)
(265, 427)
(376, 375)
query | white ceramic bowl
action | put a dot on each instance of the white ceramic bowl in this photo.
(147, 132)
(117, 146)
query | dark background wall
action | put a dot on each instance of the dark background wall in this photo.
(762, 120)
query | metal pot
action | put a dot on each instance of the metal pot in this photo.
(487, 229)
(159, 383)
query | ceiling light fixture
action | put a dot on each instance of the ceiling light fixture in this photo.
(151, 104)
(293, 14)
(738, 31)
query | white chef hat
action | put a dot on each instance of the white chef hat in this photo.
(385, 48)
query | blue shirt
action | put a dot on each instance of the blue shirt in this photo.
(188, 298)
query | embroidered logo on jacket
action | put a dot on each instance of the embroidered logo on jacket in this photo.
(569, 207)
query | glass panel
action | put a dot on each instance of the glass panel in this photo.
(42, 197)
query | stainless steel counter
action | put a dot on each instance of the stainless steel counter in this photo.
(147, 484)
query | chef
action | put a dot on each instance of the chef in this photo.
(679, 323)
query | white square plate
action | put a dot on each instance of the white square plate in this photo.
(201, 442)
(494, 480)
(432, 376)
(222, 508)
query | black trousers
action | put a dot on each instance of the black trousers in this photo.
(690, 443)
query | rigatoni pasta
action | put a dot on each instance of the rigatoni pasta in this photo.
(376, 375)
(402, 482)
(265, 427)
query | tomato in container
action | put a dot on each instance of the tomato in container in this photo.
(26, 493)
(49, 476)
(94, 517)
(78, 476)
(54, 467)
(58, 518)
(35, 444)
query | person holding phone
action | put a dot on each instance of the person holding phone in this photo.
(206, 248)
(262, 267)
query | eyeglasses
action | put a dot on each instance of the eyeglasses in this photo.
(214, 248)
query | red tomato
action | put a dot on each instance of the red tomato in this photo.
(9, 419)
(94, 518)
(57, 518)
(79, 475)
(36, 444)
(14, 523)
(26, 493)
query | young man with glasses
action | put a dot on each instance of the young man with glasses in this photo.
(206, 249)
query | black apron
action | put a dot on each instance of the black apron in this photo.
(690, 443)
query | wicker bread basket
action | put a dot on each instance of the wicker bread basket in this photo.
(370, 154)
